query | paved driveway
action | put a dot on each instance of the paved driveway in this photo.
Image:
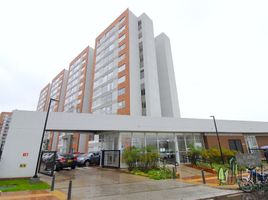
(109, 184)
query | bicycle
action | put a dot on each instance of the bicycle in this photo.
(254, 181)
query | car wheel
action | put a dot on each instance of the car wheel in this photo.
(56, 168)
(87, 163)
(73, 167)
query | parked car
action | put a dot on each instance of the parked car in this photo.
(65, 161)
(76, 154)
(88, 159)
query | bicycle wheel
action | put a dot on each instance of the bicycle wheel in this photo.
(245, 185)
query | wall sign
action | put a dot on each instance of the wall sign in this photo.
(23, 165)
(25, 154)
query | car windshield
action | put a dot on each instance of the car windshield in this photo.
(67, 155)
(82, 155)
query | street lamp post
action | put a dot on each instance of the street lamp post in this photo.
(218, 138)
(41, 144)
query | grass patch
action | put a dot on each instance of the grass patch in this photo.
(156, 174)
(21, 184)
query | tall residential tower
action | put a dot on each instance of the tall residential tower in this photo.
(77, 98)
(127, 71)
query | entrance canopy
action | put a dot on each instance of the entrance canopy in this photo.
(84, 122)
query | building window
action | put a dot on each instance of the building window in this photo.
(122, 68)
(140, 47)
(139, 25)
(125, 140)
(121, 91)
(121, 57)
(142, 91)
(121, 79)
(121, 47)
(141, 54)
(138, 140)
(236, 145)
(121, 38)
(121, 29)
(140, 35)
(143, 105)
(167, 146)
(121, 104)
(122, 20)
(142, 74)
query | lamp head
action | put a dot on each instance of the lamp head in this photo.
(54, 99)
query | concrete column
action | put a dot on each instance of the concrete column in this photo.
(83, 143)
(55, 141)
(177, 151)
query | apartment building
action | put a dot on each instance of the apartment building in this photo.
(128, 76)
(5, 118)
(71, 89)
(77, 98)
(43, 99)
(130, 72)
(57, 92)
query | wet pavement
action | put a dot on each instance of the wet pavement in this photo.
(110, 184)
(243, 196)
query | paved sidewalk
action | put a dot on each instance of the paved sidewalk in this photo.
(109, 184)
(193, 176)
(33, 195)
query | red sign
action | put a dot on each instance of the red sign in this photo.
(25, 154)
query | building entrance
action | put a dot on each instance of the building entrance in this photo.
(110, 158)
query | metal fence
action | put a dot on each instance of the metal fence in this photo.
(110, 158)
(47, 163)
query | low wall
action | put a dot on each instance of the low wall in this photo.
(22, 145)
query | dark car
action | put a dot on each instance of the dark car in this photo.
(92, 158)
(65, 161)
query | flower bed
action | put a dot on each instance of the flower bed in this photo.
(206, 169)
(156, 174)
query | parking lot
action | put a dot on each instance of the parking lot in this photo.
(103, 184)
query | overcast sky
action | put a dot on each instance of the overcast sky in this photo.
(220, 49)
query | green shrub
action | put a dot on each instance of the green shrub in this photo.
(194, 154)
(149, 158)
(158, 174)
(228, 154)
(144, 159)
(131, 156)
(214, 155)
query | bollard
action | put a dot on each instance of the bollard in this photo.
(52, 183)
(203, 176)
(69, 197)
